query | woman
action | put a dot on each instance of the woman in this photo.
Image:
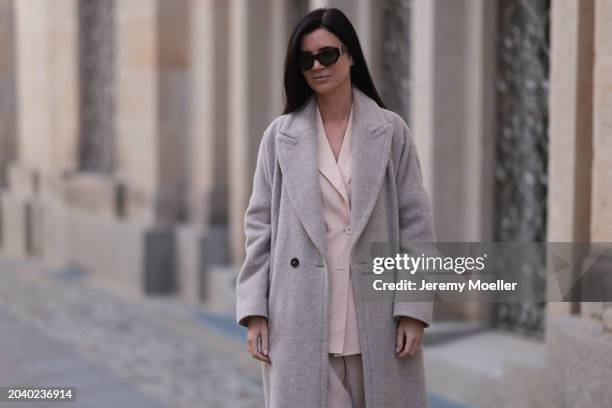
(335, 173)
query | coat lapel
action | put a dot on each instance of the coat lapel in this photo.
(297, 151)
(371, 148)
(297, 157)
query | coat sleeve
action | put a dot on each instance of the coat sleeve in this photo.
(415, 223)
(252, 281)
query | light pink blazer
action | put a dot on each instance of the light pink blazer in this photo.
(335, 182)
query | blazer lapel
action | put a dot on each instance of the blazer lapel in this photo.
(327, 163)
(297, 151)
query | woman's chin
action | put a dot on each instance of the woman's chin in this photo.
(323, 88)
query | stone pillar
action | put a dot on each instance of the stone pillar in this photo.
(137, 102)
(152, 107)
(601, 213)
(174, 59)
(454, 49)
(278, 43)
(47, 98)
(203, 241)
(571, 129)
(394, 44)
(208, 172)
(453, 120)
(601, 205)
(7, 99)
(254, 63)
(7, 90)
(46, 55)
(97, 86)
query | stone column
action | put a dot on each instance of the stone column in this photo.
(580, 190)
(571, 129)
(97, 87)
(279, 40)
(93, 187)
(601, 205)
(137, 103)
(174, 110)
(7, 89)
(46, 56)
(152, 107)
(7, 99)
(48, 98)
(601, 214)
(254, 101)
(453, 67)
(452, 119)
(394, 57)
(208, 171)
(203, 241)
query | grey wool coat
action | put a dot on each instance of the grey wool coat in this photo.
(284, 276)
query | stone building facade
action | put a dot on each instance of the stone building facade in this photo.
(129, 132)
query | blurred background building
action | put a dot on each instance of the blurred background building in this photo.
(129, 131)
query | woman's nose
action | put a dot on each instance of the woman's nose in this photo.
(317, 64)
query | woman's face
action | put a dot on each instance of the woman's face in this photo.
(321, 79)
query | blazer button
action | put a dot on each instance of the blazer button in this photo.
(295, 262)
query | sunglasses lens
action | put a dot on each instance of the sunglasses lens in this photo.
(329, 56)
(306, 61)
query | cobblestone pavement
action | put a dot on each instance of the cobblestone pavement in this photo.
(119, 349)
(28, 358)
(157, 345)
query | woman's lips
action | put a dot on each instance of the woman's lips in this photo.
(321, 78)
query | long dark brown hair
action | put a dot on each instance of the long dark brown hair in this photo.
(297, 90)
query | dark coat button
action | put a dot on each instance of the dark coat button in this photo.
(295, 262)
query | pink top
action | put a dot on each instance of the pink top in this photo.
(335, 179)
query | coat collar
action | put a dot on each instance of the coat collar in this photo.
(297, 154)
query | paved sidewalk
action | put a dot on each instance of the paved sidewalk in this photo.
(59, 326)
(29, 358)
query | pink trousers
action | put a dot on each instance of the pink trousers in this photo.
(345, 385)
